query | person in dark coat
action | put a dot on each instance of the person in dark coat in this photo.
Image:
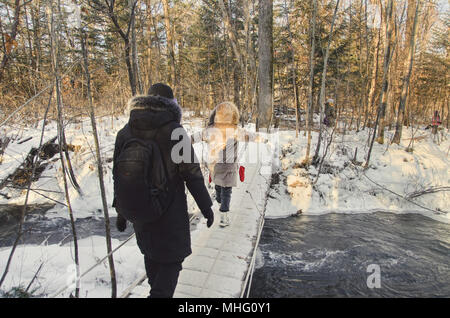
(166, 242)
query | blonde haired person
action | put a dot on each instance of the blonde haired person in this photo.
(222, 136)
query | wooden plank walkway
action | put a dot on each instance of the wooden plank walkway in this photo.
(221, 259)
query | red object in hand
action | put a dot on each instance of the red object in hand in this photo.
(242, 173)
(210, 179)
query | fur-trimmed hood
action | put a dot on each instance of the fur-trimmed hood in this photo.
(225, 113)
(150, 112)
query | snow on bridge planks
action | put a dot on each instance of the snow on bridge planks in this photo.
(221, 257)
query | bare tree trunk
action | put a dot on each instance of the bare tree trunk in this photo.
(12, 37)
(367, 66)
(309, 115)
(348, 102)
(405, 86)
(126, 40)
(55, 66)
(293, 69)
(30, 52)
(231, 32)
(237, 89)
(249, 63)
(99, 165)
(154, 23)
(373, 81)
(385, 90)
(297, 106)
(37, 34)
(170, 45)
(265, 57)
(362, 77)
(387, 60)
(149, 43)
(134, 51)
(322, 87)
(448, 111)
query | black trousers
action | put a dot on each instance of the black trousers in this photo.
(162, 277)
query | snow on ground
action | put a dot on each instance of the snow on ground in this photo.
(57, 258)
(58, 270)
(342, 186)
(78, 134)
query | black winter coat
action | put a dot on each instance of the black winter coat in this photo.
(168, 239)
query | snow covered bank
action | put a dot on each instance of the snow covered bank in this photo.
(50, 184)
(58, 269)
(57, 259)
(344, 187)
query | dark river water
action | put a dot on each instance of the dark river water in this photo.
(39, 228)
(329, 256)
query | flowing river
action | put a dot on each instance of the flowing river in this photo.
(342, 255)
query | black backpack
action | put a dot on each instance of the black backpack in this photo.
(141, 186)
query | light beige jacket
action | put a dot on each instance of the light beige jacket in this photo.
(222, 137)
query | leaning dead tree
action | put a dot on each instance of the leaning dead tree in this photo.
(55, 61)
(99, 161)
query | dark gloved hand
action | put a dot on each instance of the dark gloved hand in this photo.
(209, 215)
(121, 223)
